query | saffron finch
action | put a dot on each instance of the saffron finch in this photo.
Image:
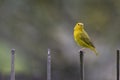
(82, 39)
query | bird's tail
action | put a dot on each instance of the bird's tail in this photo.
(95, 51)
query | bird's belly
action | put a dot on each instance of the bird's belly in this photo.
(79, 41)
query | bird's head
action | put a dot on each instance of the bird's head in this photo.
(79, 26)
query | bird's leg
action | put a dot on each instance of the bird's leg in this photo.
(82, 49)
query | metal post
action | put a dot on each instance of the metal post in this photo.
(49, 65)
(12, 64)
(81, 65)
(117, 64)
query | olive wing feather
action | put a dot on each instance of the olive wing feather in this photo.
(85, 38)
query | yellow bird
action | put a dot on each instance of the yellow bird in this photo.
(82, 39)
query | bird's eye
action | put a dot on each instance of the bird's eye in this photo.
(78, 24)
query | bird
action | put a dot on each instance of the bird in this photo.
(82, 38)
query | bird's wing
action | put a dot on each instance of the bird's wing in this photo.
(85, 38)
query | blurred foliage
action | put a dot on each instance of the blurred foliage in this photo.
(32, 26)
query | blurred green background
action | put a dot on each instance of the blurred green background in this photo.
(33, 26)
